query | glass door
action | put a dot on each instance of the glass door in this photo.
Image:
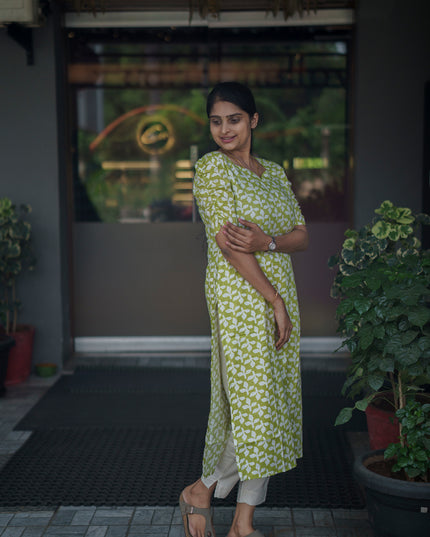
(139, 107)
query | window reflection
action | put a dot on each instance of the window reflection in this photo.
(142, 125)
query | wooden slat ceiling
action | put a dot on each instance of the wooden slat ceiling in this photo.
(184, 5)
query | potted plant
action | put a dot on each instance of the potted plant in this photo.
(16, 255)
(397, 480)
(384, 316)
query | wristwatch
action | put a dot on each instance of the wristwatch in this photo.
(272, 245)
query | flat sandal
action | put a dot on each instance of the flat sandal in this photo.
(187, 509)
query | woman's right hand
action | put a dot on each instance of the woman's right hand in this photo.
(284, 326)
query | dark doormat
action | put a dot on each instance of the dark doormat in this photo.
(151, 467)
(137, 397)
(125, 436)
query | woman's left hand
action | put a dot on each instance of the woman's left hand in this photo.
(249, 240)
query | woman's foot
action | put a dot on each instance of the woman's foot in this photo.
(242, 521)
(198, 495)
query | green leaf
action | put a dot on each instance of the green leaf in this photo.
(349, 244)
(363, 403)
(362, 305)
(344, 307)
(333, 261)
(379, 331)
(409, 336)
(366, 337)
(419, 316)
(376, 381)
(391, 451)
(384, 207)
(393, 344)
(394, 232)
(405, 231)
(409, 355)
(386, 364)
(351, 234)
(373, 282)
(381, 229)
(344, 416)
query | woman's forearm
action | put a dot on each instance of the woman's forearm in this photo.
(296, 240)
(248, 268)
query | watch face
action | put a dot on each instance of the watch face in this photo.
(272, 246)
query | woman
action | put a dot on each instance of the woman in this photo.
(252, 223)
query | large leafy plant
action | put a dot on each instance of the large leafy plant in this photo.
(383, 284)
(16, 255)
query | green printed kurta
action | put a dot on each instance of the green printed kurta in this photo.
(265, 415)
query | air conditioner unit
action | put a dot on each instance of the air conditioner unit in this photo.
(25, 12)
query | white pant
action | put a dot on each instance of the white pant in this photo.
(252, 491)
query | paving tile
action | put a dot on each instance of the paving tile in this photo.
(269, 520)
(149, 531)
(323, 517)
(162, 516)
(315, 532)
(4, 518)
(356, 514)
(176, 531)
(117, 531)
(33, 532)
(220, 529)
(108, 516)
(282, 532)
(352, 523)
(223, 515)
(302, 517)
(62, 531)
(142, 515)
(177, 517)
(33, 518)
(13, 531)
(83, 516)
(63, 517)
(275, 512)
(96, 531)
(355, 532)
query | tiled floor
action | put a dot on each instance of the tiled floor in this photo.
(79, 521)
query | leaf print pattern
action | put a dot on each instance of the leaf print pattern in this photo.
(265, 415)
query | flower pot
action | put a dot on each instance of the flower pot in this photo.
(6, 343)
(396, 508)
(20, 357)
(382, 426)
(45, 370)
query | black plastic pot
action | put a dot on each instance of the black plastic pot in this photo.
(6, 343)
(396, 508)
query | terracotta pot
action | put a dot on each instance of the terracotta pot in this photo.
(20, 356)
(383, 427)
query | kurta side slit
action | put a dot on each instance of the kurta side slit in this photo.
(263, 411)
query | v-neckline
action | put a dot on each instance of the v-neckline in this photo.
(243, 167)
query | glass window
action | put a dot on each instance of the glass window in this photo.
(141, 122)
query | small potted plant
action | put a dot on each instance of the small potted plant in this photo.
(383, 285)
(397, 480)
(16, 256)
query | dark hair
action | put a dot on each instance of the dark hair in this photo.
(232, 92)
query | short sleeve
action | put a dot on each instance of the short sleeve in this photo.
(298, 217)
(214, 194)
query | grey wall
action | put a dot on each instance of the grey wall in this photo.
(392, 66)
(29, 174)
